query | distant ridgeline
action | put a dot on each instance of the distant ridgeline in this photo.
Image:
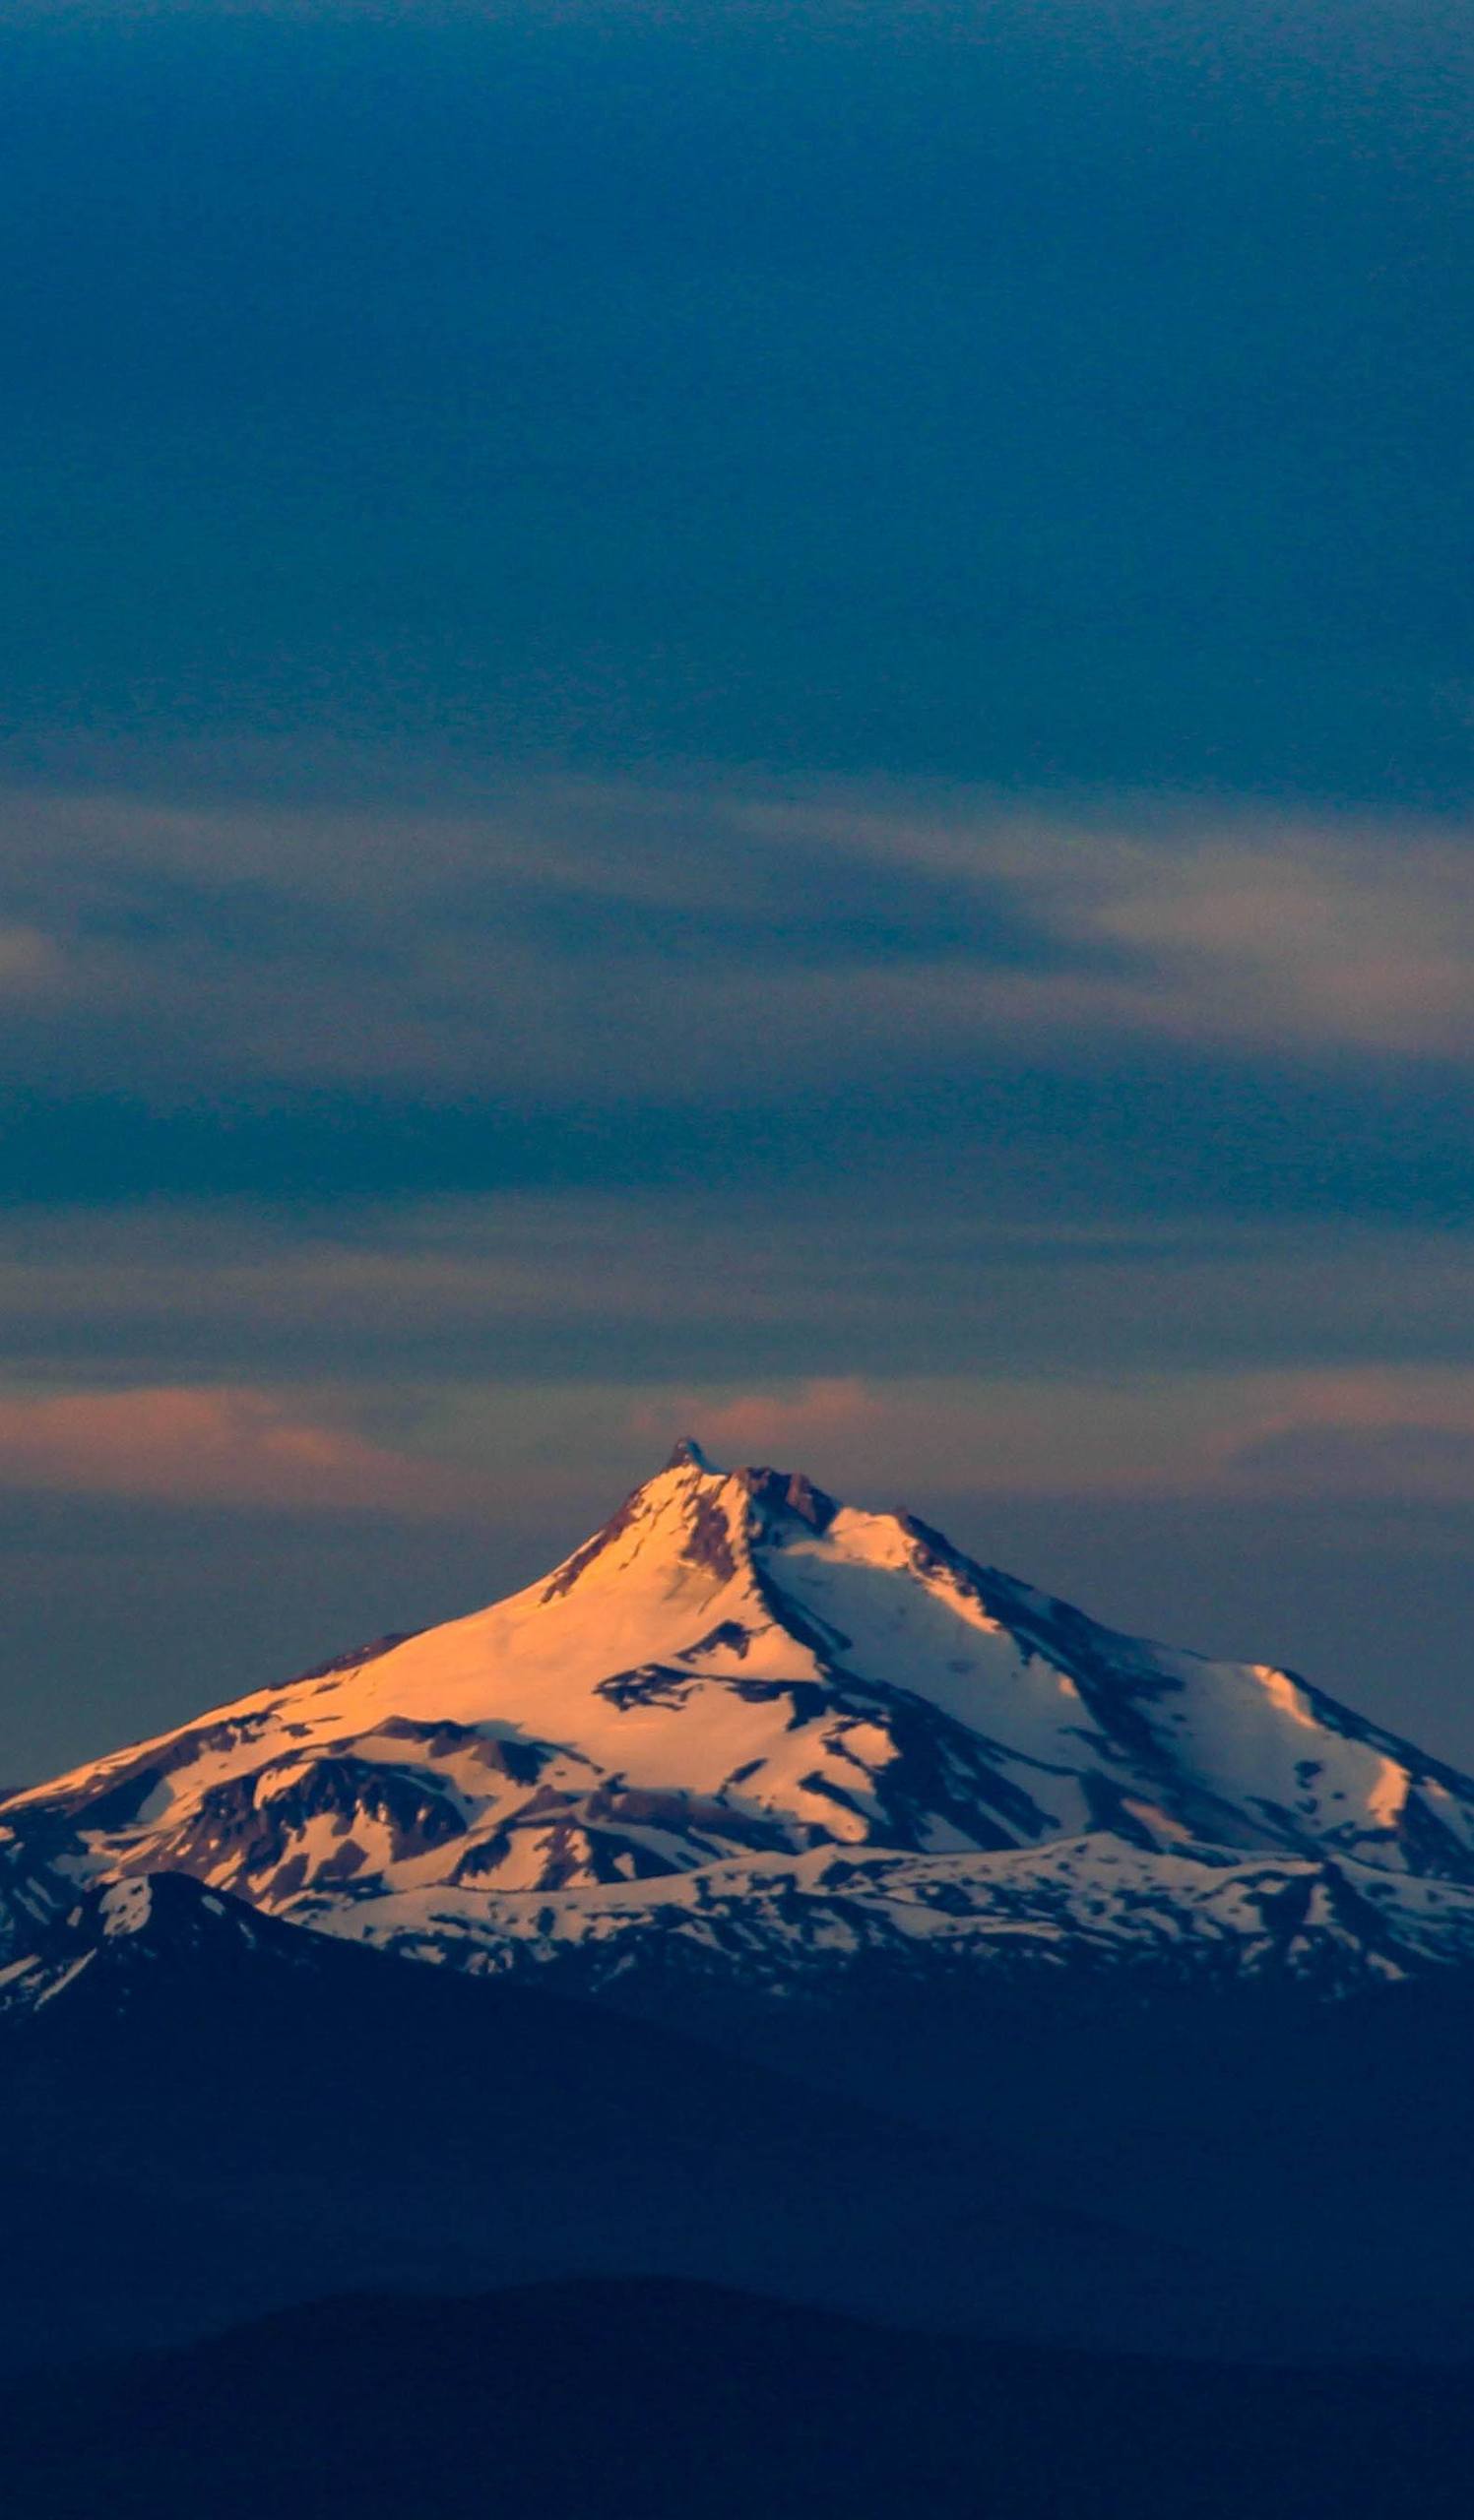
(763, 1815)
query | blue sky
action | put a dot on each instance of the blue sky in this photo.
(735, 715)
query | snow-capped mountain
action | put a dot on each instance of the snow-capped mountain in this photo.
(746, 1727)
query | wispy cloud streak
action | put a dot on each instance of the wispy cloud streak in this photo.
(227, 1445)
(584, 945)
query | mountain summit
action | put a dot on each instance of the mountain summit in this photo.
(768, 1731)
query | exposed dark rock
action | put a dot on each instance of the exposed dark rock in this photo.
(231, 1829)
(782, 1491)
(482, 1857)
(343, 1862)
(728, 1636)
(569, 1572)
(652, 1684)
(119, 1802)
(817, 1783)
(681, 1814)
(523, 1761)
(504, 1754)
(357, 1656)
(809, 1699)
(708, 1539)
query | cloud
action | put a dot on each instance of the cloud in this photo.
(1306, 939)
(226, 1445)
(1430, 1463)
(558, 945)
(821, 1411)
(1403, 1433)
(29, 963)
(1261, 930)
(715, 1296)
(485, 1446)
(1362, 1432)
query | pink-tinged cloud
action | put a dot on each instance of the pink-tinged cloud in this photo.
(1434, 1464)
(754, 1425)
(29, 963)
(186, 1444)
(1361, 1433)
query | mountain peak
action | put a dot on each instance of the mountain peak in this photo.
(698, 1520)
(789, 1492)
(738, 1671)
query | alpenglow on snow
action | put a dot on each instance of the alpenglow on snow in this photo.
(762, 1732)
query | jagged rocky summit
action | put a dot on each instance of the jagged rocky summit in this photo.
(750, 1731)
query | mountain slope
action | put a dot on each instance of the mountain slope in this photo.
(906, 1840)
(205, 2112)
(751, 1727)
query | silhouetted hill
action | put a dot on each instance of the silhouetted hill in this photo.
(206, 2113)
(659, 2401)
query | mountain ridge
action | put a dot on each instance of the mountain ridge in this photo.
(765, 1730)
(607, 2397)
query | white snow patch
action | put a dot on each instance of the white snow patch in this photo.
(125, 1907)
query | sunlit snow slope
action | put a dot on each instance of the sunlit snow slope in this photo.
(765, 1728)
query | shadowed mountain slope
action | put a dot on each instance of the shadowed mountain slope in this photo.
(205, 2112)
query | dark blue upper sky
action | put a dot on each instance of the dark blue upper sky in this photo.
(757, 715)
(1035, 396)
